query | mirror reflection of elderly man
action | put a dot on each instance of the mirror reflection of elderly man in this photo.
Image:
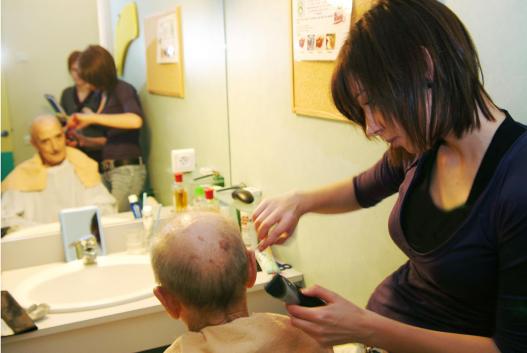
(203, 271)
(55, 178)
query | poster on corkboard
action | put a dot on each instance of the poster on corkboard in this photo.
(318, 30)
(164, 54)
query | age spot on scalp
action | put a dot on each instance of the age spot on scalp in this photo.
(224, 245)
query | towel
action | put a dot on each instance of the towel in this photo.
(31, 175)
(258, 333)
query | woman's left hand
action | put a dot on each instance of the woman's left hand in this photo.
(337, 322)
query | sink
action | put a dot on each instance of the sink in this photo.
(73, 286)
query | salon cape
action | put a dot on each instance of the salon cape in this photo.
(34, 194)
(262, 332)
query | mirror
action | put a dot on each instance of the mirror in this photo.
(77, 224)
(199, 120)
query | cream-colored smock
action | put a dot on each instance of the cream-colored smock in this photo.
(258, 333)
(63, 189)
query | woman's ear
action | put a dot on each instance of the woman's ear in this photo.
(251, 269)
(171, 304)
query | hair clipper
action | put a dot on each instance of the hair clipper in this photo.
(281, 288)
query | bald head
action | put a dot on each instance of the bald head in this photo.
(42, 121)
(206, 239)
(201, 259)
(48, 138)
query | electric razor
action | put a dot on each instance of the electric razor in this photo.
(281, 288)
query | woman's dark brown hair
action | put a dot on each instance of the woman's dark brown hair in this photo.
(72, 58)
(385, 55)
(97, 67)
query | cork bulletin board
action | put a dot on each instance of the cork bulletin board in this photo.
(164, 54)
(311, 90)
(312, 77)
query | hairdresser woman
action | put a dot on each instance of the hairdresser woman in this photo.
(82, 98)
(409, 74)
(121, 113)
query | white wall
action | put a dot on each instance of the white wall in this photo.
(198, 120)
(37, 37)
(499, 30)
(273, 148)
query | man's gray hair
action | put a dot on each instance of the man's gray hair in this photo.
(201, 259)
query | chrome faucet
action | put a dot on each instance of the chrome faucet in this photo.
(86, 249)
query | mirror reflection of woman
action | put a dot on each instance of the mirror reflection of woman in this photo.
(122, 115)
(81, 98)
(409, 74)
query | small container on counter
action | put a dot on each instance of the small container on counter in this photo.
(135, 206)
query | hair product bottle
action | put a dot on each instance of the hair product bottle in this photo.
(199, 197)
(180, 193)
(211, 204)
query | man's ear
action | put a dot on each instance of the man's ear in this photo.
(32, 141)
(171, 304)
(251, 269)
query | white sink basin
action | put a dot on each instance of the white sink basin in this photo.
(73, 286)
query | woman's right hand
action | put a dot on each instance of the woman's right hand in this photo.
(79, 121)
(276, 218)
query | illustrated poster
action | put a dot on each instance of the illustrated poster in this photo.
(167, 40)
(320, 27)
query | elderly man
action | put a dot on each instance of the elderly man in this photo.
(203, 269)
(56, 177)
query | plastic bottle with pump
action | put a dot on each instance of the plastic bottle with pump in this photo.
(179, 193)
